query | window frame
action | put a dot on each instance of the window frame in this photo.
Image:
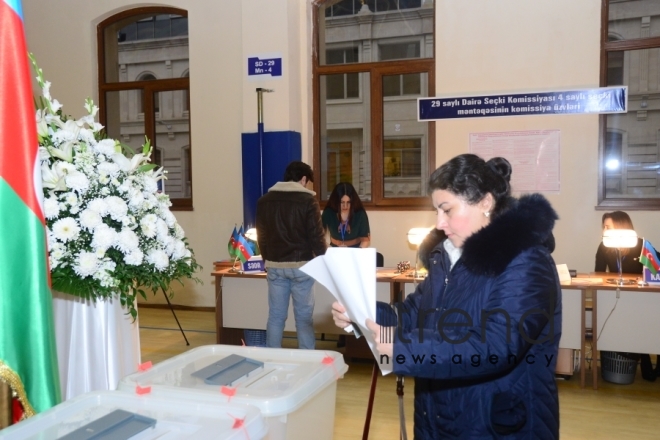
(148, 87)
(606, 46)
(376, 71)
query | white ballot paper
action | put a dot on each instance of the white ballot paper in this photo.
(350, 275)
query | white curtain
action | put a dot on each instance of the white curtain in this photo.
(97, 343)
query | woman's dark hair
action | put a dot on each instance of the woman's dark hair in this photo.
(620, 219)
(296, 170)
(344, 189)
(472, 178)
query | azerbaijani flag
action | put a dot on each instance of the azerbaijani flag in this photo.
(232, 246)
(649, 258)
(28, 358)
(244, 250)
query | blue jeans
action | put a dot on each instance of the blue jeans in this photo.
(283, 283)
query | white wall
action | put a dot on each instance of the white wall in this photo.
(483, 46)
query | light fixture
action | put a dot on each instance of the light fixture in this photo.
(415, 237)
(251, 234)
(619, 239)
(612, 164)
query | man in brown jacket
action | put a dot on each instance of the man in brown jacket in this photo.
(290, 233)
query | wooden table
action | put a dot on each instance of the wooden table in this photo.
(588, 284)
(233, 334)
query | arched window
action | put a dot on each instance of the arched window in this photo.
(372, 60)
(143, 83)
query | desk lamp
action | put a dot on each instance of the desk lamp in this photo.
(415, 237)
(619, 239)
(251, 234)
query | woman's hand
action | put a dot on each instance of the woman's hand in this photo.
(384, 337)
(339, 315)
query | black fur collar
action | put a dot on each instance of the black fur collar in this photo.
(526, 222)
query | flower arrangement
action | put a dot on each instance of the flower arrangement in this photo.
(109, 229)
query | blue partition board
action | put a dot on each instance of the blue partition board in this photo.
(279, 149)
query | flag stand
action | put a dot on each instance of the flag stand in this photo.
(233, 267)
(174, 314)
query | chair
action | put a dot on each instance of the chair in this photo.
(380, 260)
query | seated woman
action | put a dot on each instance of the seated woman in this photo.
(606, 261)
(345, 218)
(606, 258)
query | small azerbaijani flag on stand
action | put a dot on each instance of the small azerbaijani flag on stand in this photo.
(232, 246)
(649, 259)
(28, 358)
(244, 249)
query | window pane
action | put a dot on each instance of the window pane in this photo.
(392, 85)
(399, 51)
(385, 5)
(335, 86)
(124, 121)
(411, 84)
(631, 150)
(340, 163)
(162, 26)
(179, 26)
(173, 139)
(125, 60)
(352, 85)
(390, 30)
(128, 33)
(145, 30)
(409, 4)
(345, 7)
(345, 137)
(634, 19)
(405, 141)
(335, 56)
(614, 68)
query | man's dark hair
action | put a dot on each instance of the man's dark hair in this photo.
(296, 170)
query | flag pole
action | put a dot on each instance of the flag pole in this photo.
(233, 266)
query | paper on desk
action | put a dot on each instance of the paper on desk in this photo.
(350, 275)
(564, 274)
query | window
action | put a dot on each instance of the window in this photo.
(144, 90)
(373, 60)
(629, 175)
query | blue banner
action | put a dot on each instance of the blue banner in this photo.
(600, 100)
(270, 66)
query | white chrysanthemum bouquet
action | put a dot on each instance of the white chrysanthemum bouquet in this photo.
(109, 230)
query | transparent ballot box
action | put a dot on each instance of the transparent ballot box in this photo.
(119, 415)
(294, 389)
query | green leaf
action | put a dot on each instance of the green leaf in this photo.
(147, 167)
(147, 146)
(127, 148)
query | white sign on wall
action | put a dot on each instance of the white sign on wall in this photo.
(533, 154)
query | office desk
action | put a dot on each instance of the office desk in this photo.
(629, 316)
(241, 301)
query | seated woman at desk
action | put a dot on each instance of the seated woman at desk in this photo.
(345, 218)
(606, 261)
(606, 258)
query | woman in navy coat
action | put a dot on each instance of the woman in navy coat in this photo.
(481, 332)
